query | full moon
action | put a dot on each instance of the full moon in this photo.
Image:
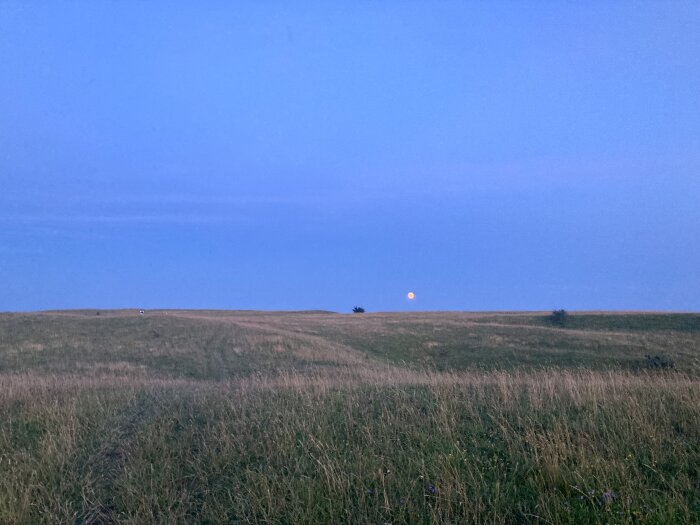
(411, 296)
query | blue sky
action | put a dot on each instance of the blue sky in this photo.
(278, 155)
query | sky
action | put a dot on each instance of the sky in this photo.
(323, 155)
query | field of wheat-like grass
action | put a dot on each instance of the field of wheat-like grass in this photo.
(285, 418)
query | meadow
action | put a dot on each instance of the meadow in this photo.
(316, 417)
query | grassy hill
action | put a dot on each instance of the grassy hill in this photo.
(316, 417)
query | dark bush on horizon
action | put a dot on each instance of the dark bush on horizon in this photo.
(559, 317)
(358, 310)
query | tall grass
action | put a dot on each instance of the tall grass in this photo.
(328, 439)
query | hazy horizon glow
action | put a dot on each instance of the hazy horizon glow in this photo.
(262, 156)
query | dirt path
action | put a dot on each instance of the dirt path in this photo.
(343, 353)
(105, 466)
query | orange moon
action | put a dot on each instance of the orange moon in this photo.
(411, 296)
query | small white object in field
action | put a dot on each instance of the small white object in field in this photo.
(141, 312)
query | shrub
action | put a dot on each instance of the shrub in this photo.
(358, 310)
(559, 317)
(659, 362)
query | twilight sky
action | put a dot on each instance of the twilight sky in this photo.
(264, 155)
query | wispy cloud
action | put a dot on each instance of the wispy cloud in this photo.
(11, 250)
(123, 218)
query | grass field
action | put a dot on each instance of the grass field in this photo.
(315, 417)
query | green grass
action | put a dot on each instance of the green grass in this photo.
(244, 417)
(636, 322)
